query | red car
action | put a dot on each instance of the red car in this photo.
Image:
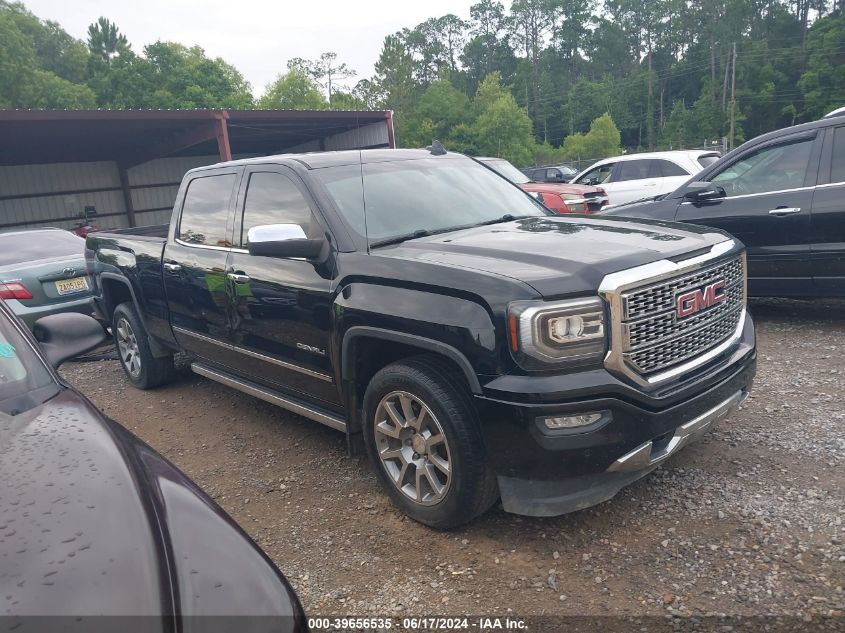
(560, 197)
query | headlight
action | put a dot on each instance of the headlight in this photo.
(540, 333)
(575, 203)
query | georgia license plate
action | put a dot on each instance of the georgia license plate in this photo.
(71, 286)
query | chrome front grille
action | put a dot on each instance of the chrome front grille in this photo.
(655, 338)
(649, 342)
(661, 297)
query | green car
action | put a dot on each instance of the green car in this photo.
(42, 271)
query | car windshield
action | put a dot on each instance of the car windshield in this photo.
(27, 246)
(385, 200)
(25, 382)
(506, 169)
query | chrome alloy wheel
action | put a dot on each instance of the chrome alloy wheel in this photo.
(412, 448)
(127, 347)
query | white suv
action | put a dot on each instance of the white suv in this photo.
(637, 176)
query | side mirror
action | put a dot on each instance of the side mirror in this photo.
(67, 335)
(282, 240)
(703, 191)
(593, 181)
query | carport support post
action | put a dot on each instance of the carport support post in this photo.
(127, 193)
(223, 147)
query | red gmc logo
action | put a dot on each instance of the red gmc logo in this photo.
(700, 299)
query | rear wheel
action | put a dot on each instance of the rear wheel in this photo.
(142, 369)
(423, 438)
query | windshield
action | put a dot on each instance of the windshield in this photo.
(506, 169)
(27, 246)
(423, 195)
(24, 380)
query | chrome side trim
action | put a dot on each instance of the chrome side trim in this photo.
(248, 352)
(281, 363)
(208, 247)
(614, 285)
(269, 396)
(644, 457)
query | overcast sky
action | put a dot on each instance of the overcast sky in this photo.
(256, 36)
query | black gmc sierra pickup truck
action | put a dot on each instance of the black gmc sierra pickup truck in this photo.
(477, 345)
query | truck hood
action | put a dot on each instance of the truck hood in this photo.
(559, 256)
(95, 522)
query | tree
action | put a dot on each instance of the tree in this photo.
(325, 71)
(105, 40)
(601, 141)
(184, 78)
(28, 66)
(500, 127)
(529, 23)
(823, 83)
(293, 91)
(439, 110)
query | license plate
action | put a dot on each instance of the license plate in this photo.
(72, 286)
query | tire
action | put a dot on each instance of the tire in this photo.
(424, 394)
(143, 370)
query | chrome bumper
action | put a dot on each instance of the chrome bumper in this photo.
(645, 456)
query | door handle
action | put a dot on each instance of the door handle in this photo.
(238, 278)
(171, 267)
(780, 211)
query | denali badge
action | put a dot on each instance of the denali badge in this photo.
(700, 299)
(309, 348)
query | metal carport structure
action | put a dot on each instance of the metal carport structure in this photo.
(125, 165)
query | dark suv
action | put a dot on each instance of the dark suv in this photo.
(783, 195)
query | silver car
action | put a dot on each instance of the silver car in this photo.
(42, 271)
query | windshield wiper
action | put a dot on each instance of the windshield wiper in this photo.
(505, 218)
(426, 233)
(402, 238)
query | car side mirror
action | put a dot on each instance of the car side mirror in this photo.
(704, 191)
(282, 240)
(593, 181)
(67, 335)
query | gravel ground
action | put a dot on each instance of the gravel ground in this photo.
(748, 521)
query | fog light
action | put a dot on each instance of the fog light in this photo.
(554, 422)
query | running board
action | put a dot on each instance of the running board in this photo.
(269, 396)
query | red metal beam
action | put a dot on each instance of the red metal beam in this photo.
(222, 133)
(391, 139)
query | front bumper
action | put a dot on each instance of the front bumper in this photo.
(545, 473)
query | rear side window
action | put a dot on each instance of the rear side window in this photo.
(666, 168)
(707, 160)
(206, 210)
(273, 198)
(837, 164)
(632, 170)
(29, 246)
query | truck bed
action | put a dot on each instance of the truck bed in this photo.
(153, 231)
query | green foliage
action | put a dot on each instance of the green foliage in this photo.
(503, 129)
(602, 140)
(293, 91)
(41, 66)
(184, 78)
(823, 83)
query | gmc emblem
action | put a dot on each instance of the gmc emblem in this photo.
(694, 301)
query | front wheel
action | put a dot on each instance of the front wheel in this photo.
(422, 435)
(144, 370)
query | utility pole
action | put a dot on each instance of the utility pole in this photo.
(733, 100)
